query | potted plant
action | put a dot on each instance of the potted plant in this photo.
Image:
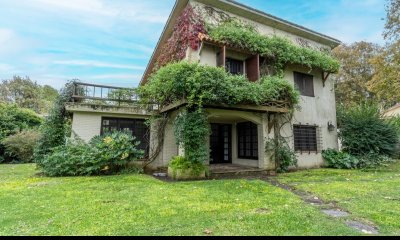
(181, 168)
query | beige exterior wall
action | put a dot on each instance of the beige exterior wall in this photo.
(318, 110)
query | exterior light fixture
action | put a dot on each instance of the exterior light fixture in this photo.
(331, 127)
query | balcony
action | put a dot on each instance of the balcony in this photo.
(100, 98)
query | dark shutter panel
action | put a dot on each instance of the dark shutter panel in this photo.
(309, 85)
(221, 57)
(253, 68)
(304, 83)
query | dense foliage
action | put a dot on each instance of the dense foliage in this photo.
(183, 163)
(26, 93)
(205, 85)
(284, 156)
(19, 147)
(343, 160)
(55, 128)
(191, 132)
(352, 83)
(13, 120)
(363, 130)
(107, 154)
(340, 160)
(185, 35)
(277, 49)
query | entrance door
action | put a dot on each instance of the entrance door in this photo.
(221, 143)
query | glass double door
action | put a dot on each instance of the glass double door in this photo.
(221, 143)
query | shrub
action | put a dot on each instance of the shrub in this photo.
(363, 130)
(284, 156)
(75, 158)
(340, 160)
(21, 145)
(182, 163)
(343, 160)
(13, 120)
(107, 154)
(55, 128)
(114, 150)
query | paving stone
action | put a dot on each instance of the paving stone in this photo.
(362, 227)
(336, 213)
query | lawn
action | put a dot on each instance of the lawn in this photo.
(369, 195)
(142, 205)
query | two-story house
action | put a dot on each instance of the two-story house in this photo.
(239, 133)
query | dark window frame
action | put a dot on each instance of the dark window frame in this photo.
(134, 125)
(234, 66)
(306, 138)
(247, 135)
(304, 83)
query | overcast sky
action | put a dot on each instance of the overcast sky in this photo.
(110, 42)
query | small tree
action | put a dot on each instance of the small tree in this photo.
(363, 130)
(55, 128)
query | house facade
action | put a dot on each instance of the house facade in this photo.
(239, 133)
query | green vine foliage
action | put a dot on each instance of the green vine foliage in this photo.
(278, 50)
(191, 132)
(284, 156)
(55, 128)
(201, 85)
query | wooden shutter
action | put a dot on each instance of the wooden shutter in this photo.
(253, 68)
(304, 83)
(221, 57)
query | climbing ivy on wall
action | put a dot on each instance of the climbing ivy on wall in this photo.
(279, 51)
(201, 85)
(173, 81)
(185, 34)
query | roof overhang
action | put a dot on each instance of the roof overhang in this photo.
(245, 12)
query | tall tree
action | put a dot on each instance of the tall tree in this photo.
(27, 94)
(386, 82)
(355, 73)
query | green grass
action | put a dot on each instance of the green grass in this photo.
(141, 205)
(370, 195)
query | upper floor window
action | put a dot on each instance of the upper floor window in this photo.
(234, 66)
(304, 83)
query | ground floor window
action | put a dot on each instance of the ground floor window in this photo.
(247, 140)
(137, 127)
(305, 138)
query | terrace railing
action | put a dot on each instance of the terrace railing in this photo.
(101, 94)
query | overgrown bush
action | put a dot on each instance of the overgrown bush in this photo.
(284, 156)
(363, 130)
(107, 154)
(182, 163)
(13, 120)
(21, 145)
(343, 160)
(340, 160)
(54, 130)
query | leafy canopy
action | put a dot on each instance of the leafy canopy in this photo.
(201, 85)
(279, 50)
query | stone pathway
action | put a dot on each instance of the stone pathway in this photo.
(329, 208)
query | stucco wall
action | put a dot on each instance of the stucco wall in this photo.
(318, 110)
